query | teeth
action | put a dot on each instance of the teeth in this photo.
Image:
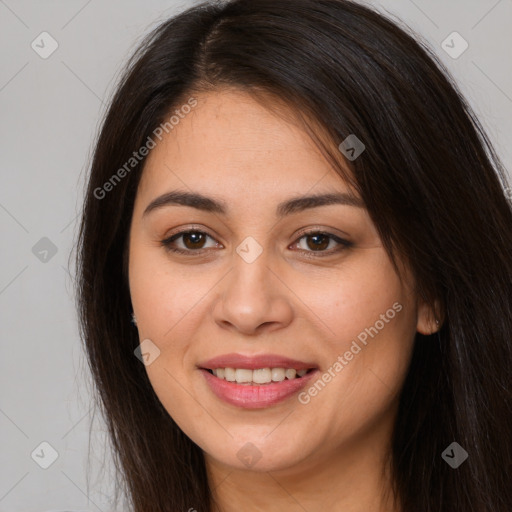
(243, 375)
(261, 376)
(278, 374)
(258, 376)
(290, 373)
(229, 374)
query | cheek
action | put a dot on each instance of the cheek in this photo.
(168, 305)
(163, 295)
(172, 303)
(352, 297)
(369, 324)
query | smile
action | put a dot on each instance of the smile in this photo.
(258, 376)
(253, 395)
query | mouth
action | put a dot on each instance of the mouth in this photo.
(255, 382)
(258, 376)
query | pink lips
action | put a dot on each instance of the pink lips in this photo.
(260, 395)
(253, 362)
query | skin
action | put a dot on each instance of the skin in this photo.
(328, 454)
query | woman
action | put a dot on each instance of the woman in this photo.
(307, 226)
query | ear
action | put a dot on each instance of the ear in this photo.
(429, 320)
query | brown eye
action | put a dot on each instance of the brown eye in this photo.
(191, 242)
(194, 239)
(319, 241)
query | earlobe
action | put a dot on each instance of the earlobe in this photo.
(429, 321)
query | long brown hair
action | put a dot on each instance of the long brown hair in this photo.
(431, 182)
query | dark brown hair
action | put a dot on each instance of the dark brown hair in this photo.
(431, 182)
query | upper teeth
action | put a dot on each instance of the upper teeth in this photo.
(258, 376)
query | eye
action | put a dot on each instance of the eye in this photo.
(318, 241)
(193, 243)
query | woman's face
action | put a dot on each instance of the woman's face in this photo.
(261, 285)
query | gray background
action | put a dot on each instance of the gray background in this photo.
(50, 111)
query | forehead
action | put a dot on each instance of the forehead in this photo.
(231, 138)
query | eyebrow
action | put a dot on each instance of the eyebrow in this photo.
(208, 204)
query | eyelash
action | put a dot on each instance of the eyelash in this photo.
(344, 244)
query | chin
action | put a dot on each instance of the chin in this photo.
(247, 454)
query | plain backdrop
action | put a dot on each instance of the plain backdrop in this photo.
(51, 109)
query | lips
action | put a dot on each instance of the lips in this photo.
(255, 362)
(250, 395)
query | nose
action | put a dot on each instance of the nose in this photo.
(253, 298)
